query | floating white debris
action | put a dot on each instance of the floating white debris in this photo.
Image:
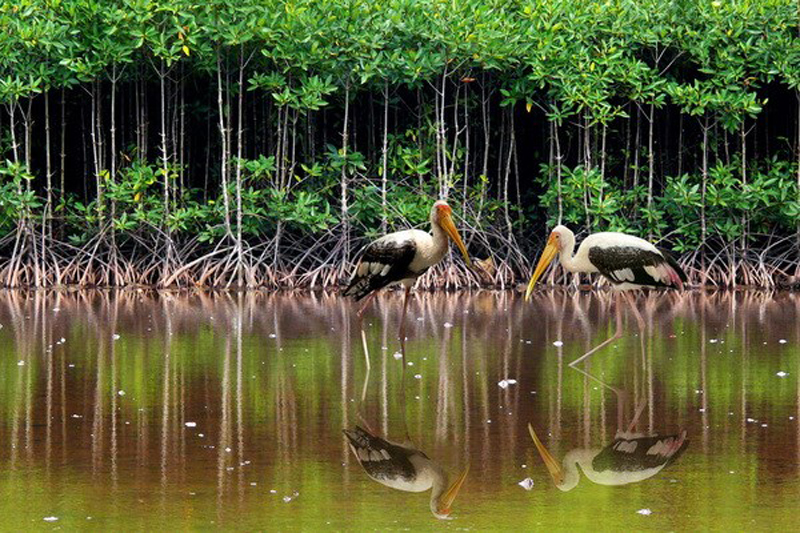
(191, 424)
(77, 416)
(782, 374)
(272, 491)
(121, 392)
(782, 341)
(115, 336)
(489, 421)
(713, 341)
(71, 365)
(751, 420)
(228, 450)
(420, 319)
(397, 355)
(448, 325)
(526, 483)
(50, 519)
(558, 344)
(20, 363)
(417, 376)
(702, 410)
(645, 512)
(56, 309)
(287, 499)
(504, 383)
(201, 435)
(410, 363)
(272, 336)
(62, 340)
(763, 425)
(253, 483)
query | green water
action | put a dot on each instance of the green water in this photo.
(179, 411)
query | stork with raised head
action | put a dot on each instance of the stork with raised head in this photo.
(631, 458)
(404, 468)
(627, 262)
(403, 256)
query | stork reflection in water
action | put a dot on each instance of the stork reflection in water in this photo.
(630, 458)
(404, 468)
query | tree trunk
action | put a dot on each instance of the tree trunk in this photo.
(650, 170)
(385, 157)
(224, 149)
(344, 206)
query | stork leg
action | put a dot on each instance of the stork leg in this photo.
(364, 305)
(402, 333)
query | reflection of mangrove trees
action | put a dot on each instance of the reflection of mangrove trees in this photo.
(258, 143)
(272, 379)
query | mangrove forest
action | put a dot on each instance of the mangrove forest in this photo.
(173, 143)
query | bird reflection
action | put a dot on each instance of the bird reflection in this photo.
(631, 458)
(404, 468)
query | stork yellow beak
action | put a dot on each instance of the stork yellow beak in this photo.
(446, 221)
(549, 461)
(448, 497)
(550, 251)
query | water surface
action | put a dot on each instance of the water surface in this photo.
(137, 410)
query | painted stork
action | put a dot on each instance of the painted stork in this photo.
(403, 468)
(627, 262)
(403, 256)
(631, 458)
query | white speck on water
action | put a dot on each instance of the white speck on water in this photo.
(489, 421)
(50, 519)
(751, 420)
(20, 363)
(62, 340)
(121, 392)
(253, 483)
(397, 355)
(782, 341)
(417, 376)
(201, 435)
(287, 499)
(272, 336)
(384, 348)
(791, 418)
(782, 374)
(272, 491)
(524, 466)
(420, 319)
(448, 325)
(763, 425)
(56, 309)
(191, 424)
(731, 472)
(115, 336)
(526, 483)
(558, 344)
(702, 410)
(645, 512)
(228, 450)
(77, 416)
(713, 341)
(411, 363)
(504, 383)
(527, 342)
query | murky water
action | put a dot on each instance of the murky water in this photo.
(126, 410)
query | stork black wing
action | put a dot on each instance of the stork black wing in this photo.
(633, 455)
(382, 460)
(621, 264)
(383, 262)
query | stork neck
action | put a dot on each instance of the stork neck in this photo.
(439, 485)
(439, 236)
(565, 256)
(578, 456)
